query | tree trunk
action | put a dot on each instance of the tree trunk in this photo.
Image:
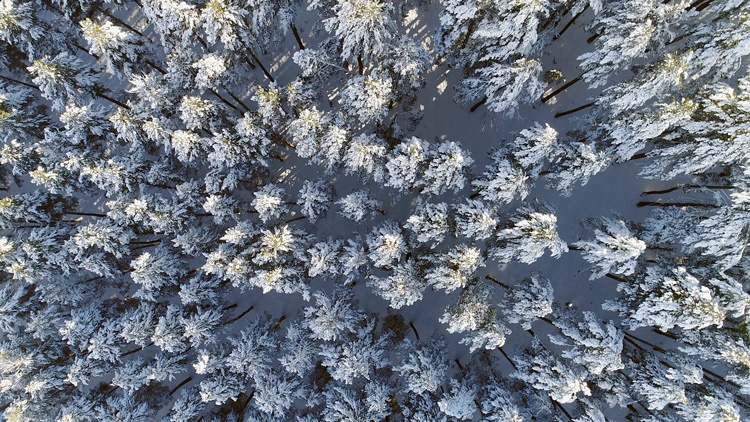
(117, 20)
(571, 22)
(263, 68)
(574, 110)
(223, 100)
(510, 361)
(16, 81)
(237, 318)
(112, 100)
(614, 277)
(498, 282)
(361, 65)
(185, 381)
(572, 82)
(416, 334)
(237, 100)
(594, 37)
(674, 204)
(477, 105)
(296, 36)
(684, 186)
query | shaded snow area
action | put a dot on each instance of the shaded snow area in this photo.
(362, 210)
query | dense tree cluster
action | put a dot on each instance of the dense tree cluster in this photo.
(154, 217)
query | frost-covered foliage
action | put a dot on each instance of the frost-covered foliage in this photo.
(529, 300)
(539, 367)
(429, 223)
(363, 26)
(529, 235)
(474, 315)
(615, 250)
(168, 252)
(366, 98)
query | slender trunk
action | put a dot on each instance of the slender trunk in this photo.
(675, 204)
(361, 65)
(649, 344)
(263, 68)
(16, 81)
(559, 406)
(146, 242)
(117, 20)
(413, 328)
(574, 110)
(498, 282)
(223, 100)
(614, 277)
(678, 39)
(510, 361)
(278, 322)
(296, 36)
(701, 7)
(475, 195)
(226, 308)
(301, 217)
(571, 22)
(594, 37)
(237, 318)
(638, 156)
(86, 214)
(684, 186)
(185, 381)
(659, 248)
(154, 66)
(572, 82)
(112, 100)
(130, 352)
(458, 363)
(666, 334)
(247, 402)
(237, 100)
(477, 105)
(633, 410)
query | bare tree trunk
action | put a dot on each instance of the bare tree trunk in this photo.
(571, 22)
(478, 104)
(674, 204)
(296, 36)
(567, 85)
(263, 68)
(185, 381)
(416, 334)
(574, 110)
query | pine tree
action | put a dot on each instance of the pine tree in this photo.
(503, 86)
(614, 251)
(455, 268)
(459, 403)
(386, 244)
(402, 287)
(366, 98)
(665, 299)
(356, 357)
(475, 219)
(364, 27)
(528, 301)
(526, 240)
(540, 368)
(423, 368)
(332, 317)
(592, 344)
(474, 315)
(429, 223)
